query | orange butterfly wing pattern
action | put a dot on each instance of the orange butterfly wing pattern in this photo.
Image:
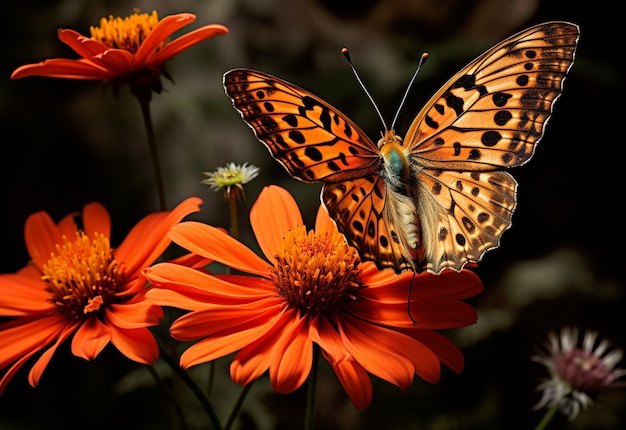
(309, 137)
(440, 198)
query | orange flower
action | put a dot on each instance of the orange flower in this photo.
(130, 50)
(314, 290)
(76, 284)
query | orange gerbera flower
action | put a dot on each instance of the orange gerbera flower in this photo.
(124, 50)
(77, 284)
(314, 290)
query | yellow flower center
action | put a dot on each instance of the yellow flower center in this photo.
(316, 272)
(83, 275)
(125, 33)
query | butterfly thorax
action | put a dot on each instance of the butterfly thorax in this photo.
(396, 166)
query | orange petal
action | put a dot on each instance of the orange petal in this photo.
(96, 219)
(274, 213)
(396, 351)
(382, 352)
(235, 339)
(191, 260)
(23, 295)
(8, 374)
(430, 313)
(134, 315)
(172, 298)
(250, 363)
(444, 348)
(62, 68)
(41, 236)
(292, 356)
(118, 62)
(187, 41)
(148, 238)
(326, 336)
(19, 336)
(67, 226)
(164, 29)
(222, 321)
(90, 338)
(444, 314)
(355, 381)
(137, 344)
(206, 287)
(387, 287)
(24, 337)
(84, 46)
(40, 365)
(215, 244)
(323, 221)
(353, 377)
(253, 360)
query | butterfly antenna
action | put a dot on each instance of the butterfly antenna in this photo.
(346, 54)
(408, 88)
(408, 304)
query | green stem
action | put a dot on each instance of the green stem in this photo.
(184, 376)
(154, 154)
(547, 418)
(237, 407)
(232, 205)
(170, 397)
(309, 420)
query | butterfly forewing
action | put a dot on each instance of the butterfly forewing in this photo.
(493, 112)
(312, 140)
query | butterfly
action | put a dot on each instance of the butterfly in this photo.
(439, 198)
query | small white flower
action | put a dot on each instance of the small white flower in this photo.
(231, 175)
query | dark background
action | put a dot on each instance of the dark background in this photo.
(65, 144)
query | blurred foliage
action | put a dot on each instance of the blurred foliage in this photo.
(67, 143)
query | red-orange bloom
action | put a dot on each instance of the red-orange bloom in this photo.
(130, 50)
(76, 284)
(314, 289)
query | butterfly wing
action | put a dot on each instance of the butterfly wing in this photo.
(363, 211)
(488, 116)
(309, 137)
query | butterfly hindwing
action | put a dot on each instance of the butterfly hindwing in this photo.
(360, 208)
(478, 209)
(312, 140)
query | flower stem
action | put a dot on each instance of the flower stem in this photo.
(170, 397)
(309, 420)
(237, 407)
(232, 205)
(184, 376)
(154, 154)
(547, 418)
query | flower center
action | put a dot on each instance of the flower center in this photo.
(316, 272)
(583, 370)
(83, 275)
(125, 33)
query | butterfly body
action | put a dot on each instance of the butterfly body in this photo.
(439, 198)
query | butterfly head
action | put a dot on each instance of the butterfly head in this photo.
(389, 137)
